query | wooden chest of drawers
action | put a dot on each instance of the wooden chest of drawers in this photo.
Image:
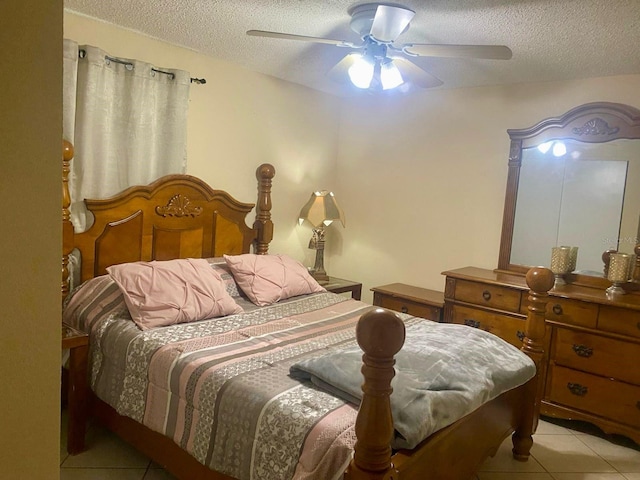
(592, 359)
(490, 305)
(416, 301)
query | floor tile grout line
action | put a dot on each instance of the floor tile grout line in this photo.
(541, 465)
(147, 470)
(600, 456)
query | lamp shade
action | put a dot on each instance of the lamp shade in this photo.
(321, 210)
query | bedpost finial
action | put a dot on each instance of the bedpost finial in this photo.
(380, 333)
(540, 279)
(67, 150)
(266, 170)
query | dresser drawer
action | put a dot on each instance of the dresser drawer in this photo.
(597, 354)
(490, 296)
(597, 395)
(407, 306)
(619, 320)
(571, 312)
(510, 329)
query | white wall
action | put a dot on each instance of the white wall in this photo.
(31, 240)
(422, 179)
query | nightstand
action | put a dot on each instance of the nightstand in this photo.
(416, 301)
(78, 344)
(340, 285)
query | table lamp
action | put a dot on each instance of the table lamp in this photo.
(320, 211)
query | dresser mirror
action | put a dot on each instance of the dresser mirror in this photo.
(573, 180)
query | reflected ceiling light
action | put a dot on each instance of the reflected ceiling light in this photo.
(559, 149)
(390, 76)
(361, 72)
(544, 147)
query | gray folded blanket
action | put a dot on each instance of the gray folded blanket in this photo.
(443, 372)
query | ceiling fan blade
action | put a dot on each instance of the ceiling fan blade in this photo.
(495, 52)
(340, 71)
(303, 38)
(389, 22)
(416, 75)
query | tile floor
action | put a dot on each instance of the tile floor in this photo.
(558, 453)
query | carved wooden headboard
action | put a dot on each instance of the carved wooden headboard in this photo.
(177, 216)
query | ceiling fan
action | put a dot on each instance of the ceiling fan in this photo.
(380, 63)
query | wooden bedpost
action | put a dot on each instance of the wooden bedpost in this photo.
(540, 281)
(67, 226)
(380, 334)
(263, 223)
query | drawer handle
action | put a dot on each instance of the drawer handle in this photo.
(638, 325)
(577, 389)
(520, 335)
(404, 309)
(582, 350)
(638, 404)
(557, 309)
(472, 323)
(486, 295)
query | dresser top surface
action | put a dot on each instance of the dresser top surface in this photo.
(410, 292)
(587, 294)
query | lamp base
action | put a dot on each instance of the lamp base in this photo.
(317, 241)
(321, 277)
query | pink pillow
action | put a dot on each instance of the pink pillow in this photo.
(266, 279)
(161, 293)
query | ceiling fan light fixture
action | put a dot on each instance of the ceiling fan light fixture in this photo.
(379, 25)
(361, 72)
(390, 75)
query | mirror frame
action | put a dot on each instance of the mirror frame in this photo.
(597, 122)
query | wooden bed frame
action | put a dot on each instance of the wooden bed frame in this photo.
(180, 216)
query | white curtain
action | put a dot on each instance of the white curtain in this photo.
(127, 121)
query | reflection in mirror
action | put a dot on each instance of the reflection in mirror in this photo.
(577, 194)
(573, 180)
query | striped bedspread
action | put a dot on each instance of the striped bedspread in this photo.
(221, 388)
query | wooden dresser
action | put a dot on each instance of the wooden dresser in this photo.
(416, 301)
(592, 343)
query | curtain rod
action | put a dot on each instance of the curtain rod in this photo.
(129, 66)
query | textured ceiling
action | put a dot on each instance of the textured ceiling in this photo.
(550, 39)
